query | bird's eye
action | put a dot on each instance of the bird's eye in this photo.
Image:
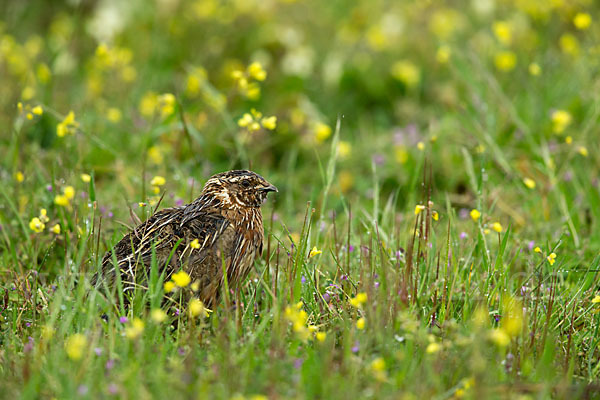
(245, 183)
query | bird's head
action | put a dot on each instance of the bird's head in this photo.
(238, 188)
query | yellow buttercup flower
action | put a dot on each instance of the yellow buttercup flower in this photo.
(61, 200)
(37, 110)
(75, 345)
(505, 61)
(158, 315)
(69, 192)
(503, 32)
(195, 244)
(196, 308)
(322, 131)
(134, 330)
(530, 183)
(55, 229)
(158, 181)
(86, 178)
(535, 69)
(433, 347)
(36, 225)
(169, 286)
(67, 126)
(19, 177)
(583, 151)
(314, 252)
(496, 226)
(406, 72)
(181, 278)
(358, 300)
(344, 149)
(256, 71)
(360, 323)
(560, 120)
(475, 214)
(582, 20)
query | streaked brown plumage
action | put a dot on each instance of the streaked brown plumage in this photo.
(225, 218)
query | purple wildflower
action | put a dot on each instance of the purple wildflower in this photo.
(123, 320)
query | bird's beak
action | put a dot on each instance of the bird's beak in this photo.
(270, 188)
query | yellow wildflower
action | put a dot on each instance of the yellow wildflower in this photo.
(36, 225)
(358, 300)
(551, 258)
(196, 308)
(158, 181)
(135, 329)
(433, 347)
(322, 131)
(314, 252)
(55, 229)
(406, 72)
(181, 278)
(421, 146)
(512, 319)
(37, 110)
(475, 214)
(86, 178)
(596, 299)
(499, 337)
(560, 120)
(158, 315)
(569, 44)
(377, 368)
(67, 126)
(443, 54)
(44, 215)
(569, 140)
(166, 104)
(530, 183)
(537, 249)
(69, 192)
(419, 208)
(505, 61)
(496, 226)
(155, 155)
(61, 200)
(360, 324)
(169, 286)
(321, 336)
(195, 244)
(344, 149)
(583, 151)
(75, 345)
(582, 20)
(256, 71)
(435, 215)
(114, 115)
(19, 177)
(400, 154)
(269, 123)
(503, 32)
(535, 69)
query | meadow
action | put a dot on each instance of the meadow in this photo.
(435, 235)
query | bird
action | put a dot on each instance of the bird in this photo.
(223, 227)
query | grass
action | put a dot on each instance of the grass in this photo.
(377, 278)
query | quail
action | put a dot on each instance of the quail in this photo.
(222, 228)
